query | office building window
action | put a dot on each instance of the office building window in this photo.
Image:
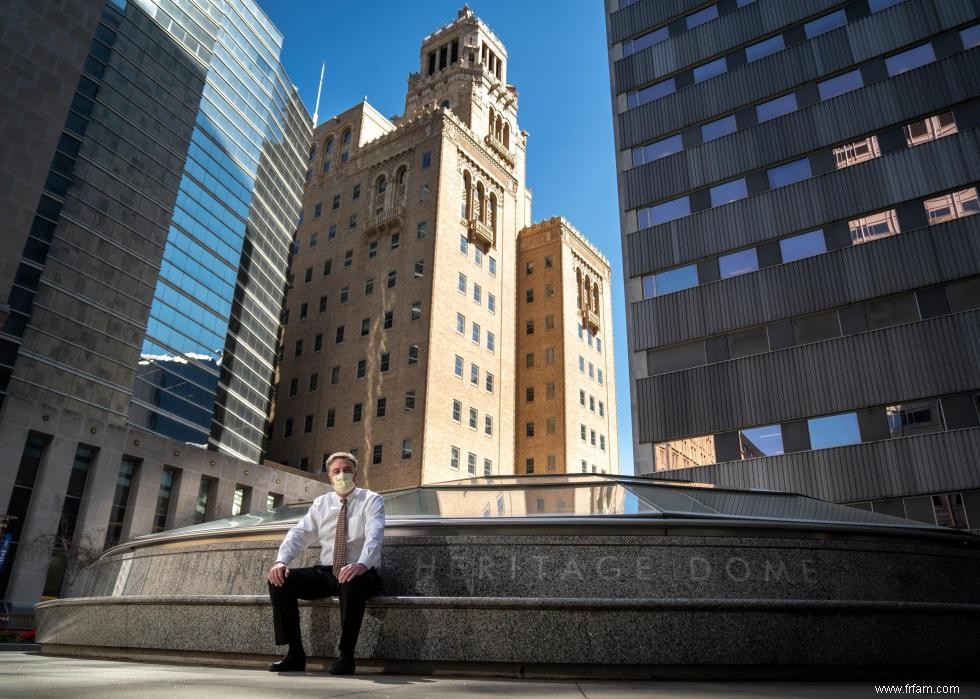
(457, 411)
(204, 507)
(382, 407)
(670, 281)
(474, 418)
(454, 458)
(776, 108)
(802, 245)
(385, 361)
(377, 453)
(822, 25)
(662, 213)
(789, 173)
(489, 382)
(410, 400)
(168, 482)
(910, 60)
(709, 70)
(874, 226)
(458, 367)
(461, 283)
(406, 448)
(833, 431)
(728, 191)
(738, 263)
(475, 374)
(413, 354)
(488, 425)
(840, 84)
(357, 412)
(764, 48)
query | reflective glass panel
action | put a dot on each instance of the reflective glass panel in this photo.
(718, 128)
(655, 151)
(662, 213)
(856, 152)
(953, 205)
(813, 328)
(727, 192)
(834, 431)
(776, 108)
(676, 358)
(970, 37)
(790, 173)
(840, 84)
(920, 417)
(674, 280)
(641, 42)
(650, 93)
(892, 310)
(698, 18)
(764, 48)
(824, 24)
(964, 295)
(909, 60)
(868, 228)
(737, 263)
(748, 342)
(930, 128)
(803, 245)
(879, 5)
(710, 70)
(761, 441)
(684, 453)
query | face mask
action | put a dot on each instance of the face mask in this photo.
(343, 483)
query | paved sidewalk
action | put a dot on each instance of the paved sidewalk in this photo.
(31, 675)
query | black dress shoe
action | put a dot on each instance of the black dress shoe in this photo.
(343, 666)
(291, 663)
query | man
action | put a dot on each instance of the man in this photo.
(349, 526)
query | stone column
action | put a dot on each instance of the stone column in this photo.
(143, 499)
(100, 489)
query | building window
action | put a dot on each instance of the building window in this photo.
(491, 341)
(420, 230)
(308, 424)
(382, 407)
(474, 374)
(406, 448)
(764, 48)
(632, 46)
(389, 319)
(454, 458)
(385, 361)
(413, 354)
(776, 108)
(458, 367)
(314, 379)
(487, 467)
(327, 264)
(287, 428)
(361, 368)
(464, 244)
(471, 463)
(802, 246)
(489, 382)
(488, 425)
(356, 416)
(318, 342)
(377, 454)
(549, 425)
(790, 173)
(709, 70)
(298, 349)
(492, 265)
(419, 269)
(203, 509)
(529, 465)
(335, 376)
(822, 25)
(331, 417)
(728, 192)
(833, 431)
(410, 400)
(395, 241)
(477, 293)
(344, 293)
(529, 394)
(930, 128)
(416, 311)
(650, 93)
(549, 322)
(392, 279)
(365, 326)
(874, 226)
(460, 323)
(293, 385)
(910, 60)
(662, 213)
(340, 334)
(856, 152)
(336, 202)
(426, 159)
(373, 249)
(529, 296)
(738, 263)
(457, 411)
(474, 418)
(840, 84)
(491, 303)
(529, 327)
(461, 283)
(529, 360)
(549, 390)
(954, 205)
(670, 281)
(529, 429)
(475, 335)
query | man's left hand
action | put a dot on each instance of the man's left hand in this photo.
(351, 571)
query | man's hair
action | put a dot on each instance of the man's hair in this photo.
(341, 455)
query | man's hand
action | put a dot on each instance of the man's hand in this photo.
(277, 574)
(351, 571)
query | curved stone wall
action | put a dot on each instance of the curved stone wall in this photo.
(590, 598)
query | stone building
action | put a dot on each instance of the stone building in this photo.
(566, 393)
(400, 333)
(797, 185)
(147, 226)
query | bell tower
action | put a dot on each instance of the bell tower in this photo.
(463, 68)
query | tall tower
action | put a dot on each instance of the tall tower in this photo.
(566, 387)
(398, 342)
(798, 187)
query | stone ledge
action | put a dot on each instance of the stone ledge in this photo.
(543, 603)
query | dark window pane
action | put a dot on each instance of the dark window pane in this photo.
(821, 326)
(748, 342)
(667, 359)
(893, 310)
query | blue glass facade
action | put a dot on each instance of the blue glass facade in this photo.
(207, 358)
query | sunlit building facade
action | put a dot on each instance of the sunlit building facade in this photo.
(143, 274)
(798, 184)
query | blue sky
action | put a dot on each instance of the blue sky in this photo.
(557, 59)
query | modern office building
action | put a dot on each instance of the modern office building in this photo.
(401, 325)
(152, 161)
(797, 184)
(566, 393)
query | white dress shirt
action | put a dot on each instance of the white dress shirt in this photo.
(365, 529)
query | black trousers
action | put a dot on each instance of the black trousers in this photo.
(315, 583)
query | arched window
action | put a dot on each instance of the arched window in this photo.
(380, 187)
(578, 286)
(312, 151)
(481, 209)
(445, 104)
(588, 292)
(507, 135)
(346, 137)
(595, 298)
(400, 175)
(328, 148)
(492, 213)
(493, 121)
(464, 200)
(499, 129)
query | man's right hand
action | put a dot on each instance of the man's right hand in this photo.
(277, 574)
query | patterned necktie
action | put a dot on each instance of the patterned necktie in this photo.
(340, 541)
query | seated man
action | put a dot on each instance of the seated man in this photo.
(349, 526)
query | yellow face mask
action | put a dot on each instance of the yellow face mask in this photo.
(343, 483)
